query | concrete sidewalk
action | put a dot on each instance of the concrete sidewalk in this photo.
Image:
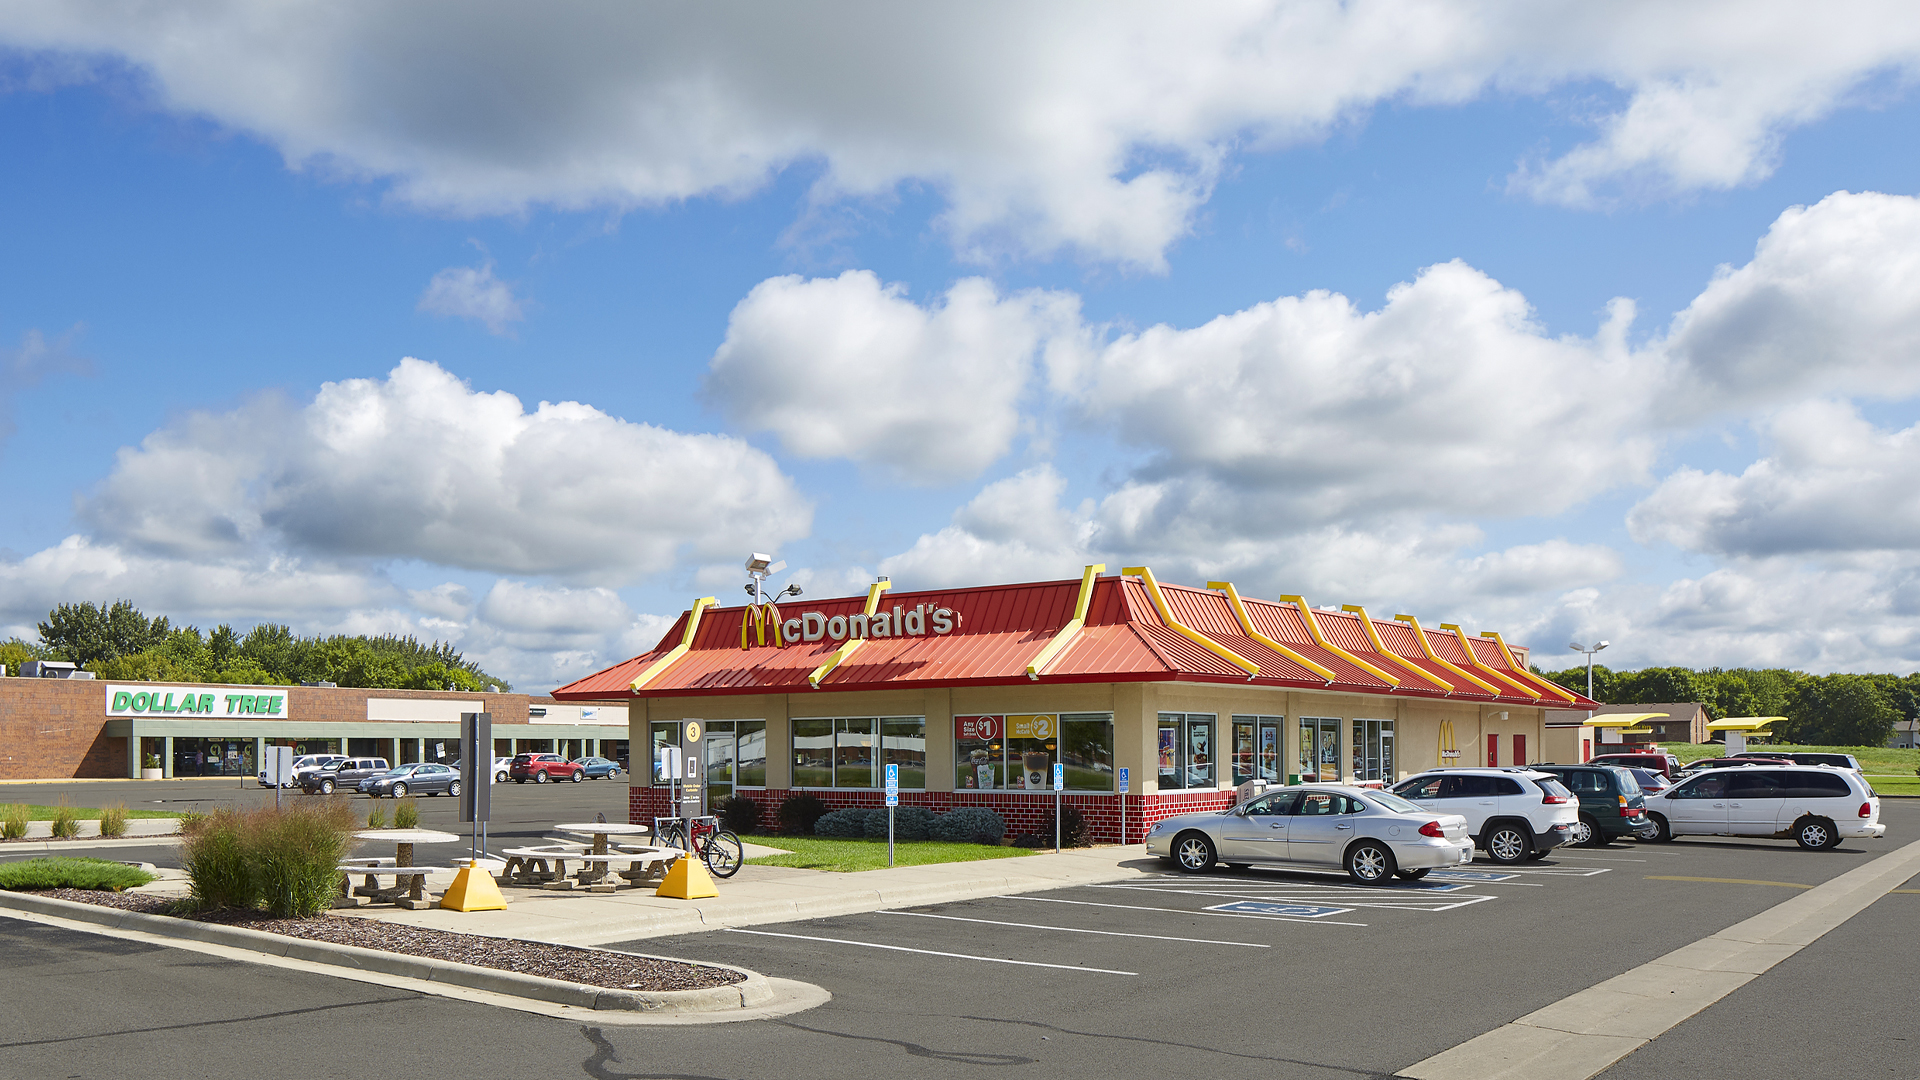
(771, 894)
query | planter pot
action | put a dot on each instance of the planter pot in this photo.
(153, 774)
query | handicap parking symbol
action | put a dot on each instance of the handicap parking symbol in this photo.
(1469, 875)
(1297, 911)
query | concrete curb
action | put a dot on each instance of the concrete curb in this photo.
(755, 991)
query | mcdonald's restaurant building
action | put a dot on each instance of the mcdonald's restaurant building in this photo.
(1154, 699)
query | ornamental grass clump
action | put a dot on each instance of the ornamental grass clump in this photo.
(66, 823)
(377, 816)
(406, 813)
(64, 872)
(283, 860)
(113, 820)
(13, 821)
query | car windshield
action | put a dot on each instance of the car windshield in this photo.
(1390, 801)
(403, 770)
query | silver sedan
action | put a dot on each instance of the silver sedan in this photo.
(1372, 835)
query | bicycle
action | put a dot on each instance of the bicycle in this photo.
(718, 848)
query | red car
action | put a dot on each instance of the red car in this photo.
(1656, 761)
(541, 768)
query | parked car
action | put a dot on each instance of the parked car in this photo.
(1657, 760)
(1611, 804)
(1703, 764)
(541, 768)
(345, 773)
(500, 766)
(1513, 813)
(1838, 761)
(1373, 835)
(301, 764)
(426, 778)
(598, 768)
(1651, 783)
(1815, 805)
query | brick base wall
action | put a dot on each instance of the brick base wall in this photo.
(1023, 812)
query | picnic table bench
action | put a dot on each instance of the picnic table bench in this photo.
(546, 865)
(406, 890)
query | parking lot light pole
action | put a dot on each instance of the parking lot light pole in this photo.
(1596, 647)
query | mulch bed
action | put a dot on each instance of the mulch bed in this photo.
(592, 967)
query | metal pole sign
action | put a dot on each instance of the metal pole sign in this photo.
(1059, 785)
(692, 792)
(1126, 780)
(893, 800)
(476, 775)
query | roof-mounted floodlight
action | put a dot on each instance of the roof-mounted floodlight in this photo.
(757, 563)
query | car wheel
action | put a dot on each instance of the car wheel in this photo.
(1370, 863)
(454, 789)
(579, 775)
(1193, 852)
(499, 778)
(1413, 875)
(1662, 832)
(1815, 833)
(399, 791)
(1507, 844)
(326, 787)
(540, 777)
(1586, 833)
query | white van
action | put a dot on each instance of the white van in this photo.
(302, 764)
(1816, 805)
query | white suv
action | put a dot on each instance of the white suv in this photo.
(1513, 813)
(302, 764)
(1816, 805)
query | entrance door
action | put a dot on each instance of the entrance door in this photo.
(1520, 750)
(1493, 751)
(720, 769)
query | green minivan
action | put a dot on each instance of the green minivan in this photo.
(1611, 803)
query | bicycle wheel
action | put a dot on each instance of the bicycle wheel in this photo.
(723, 854)
(673, 836)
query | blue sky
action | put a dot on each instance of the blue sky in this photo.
(852, 299)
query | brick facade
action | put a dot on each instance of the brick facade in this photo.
(1023, 812)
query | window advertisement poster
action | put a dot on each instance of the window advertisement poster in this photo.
(1031, 742)
(1270, 754)
(1018, 751)
(978, 752)
(1199, 754)
(1169, 755)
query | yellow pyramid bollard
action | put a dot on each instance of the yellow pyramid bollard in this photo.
(473, 889)
(687, 879)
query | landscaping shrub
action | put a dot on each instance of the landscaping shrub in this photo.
(406, 813)
(1073, 830)
(909, 823)
(377, 816)
(798, 813)
(190, 820)
(113, 820)
(969, 825)
(66, 823)
(65, 872)
(844, 823)
(13, 821)
(739, 815)
(279, 859)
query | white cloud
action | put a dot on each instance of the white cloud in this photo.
(420, 466)
(519, 606)
(1093, 128)
(1014, 530)
(846, 367)
(1831, 482)
(472, 292)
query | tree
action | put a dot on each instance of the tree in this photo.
(84, 633)
(222, 644)
(1841, 710)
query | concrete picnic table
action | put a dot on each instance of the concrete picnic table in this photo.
(599, 860)
(403, 841)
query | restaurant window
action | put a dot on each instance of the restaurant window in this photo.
(1256, 749)
(848, 752)
(661, 736)
(1372, 748)
(1017, 751)
(1320, 749)
(1186, 750)
(753, 753)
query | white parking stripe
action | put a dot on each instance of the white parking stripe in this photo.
(927, 952)
(1077, 930)
(1183, 911)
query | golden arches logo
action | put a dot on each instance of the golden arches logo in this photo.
(1449, 745)
(760, 619)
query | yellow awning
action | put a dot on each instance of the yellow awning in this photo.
(1638, 731)
(1619, 720)
(1743, 723)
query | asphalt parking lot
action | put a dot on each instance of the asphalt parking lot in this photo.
(1166, 973)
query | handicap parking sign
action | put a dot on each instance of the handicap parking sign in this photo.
(1297, 911)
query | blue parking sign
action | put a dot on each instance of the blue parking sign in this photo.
(1059, 777)
(1126, 778)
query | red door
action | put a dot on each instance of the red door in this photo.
(1519, 749)
(1493, 751)
(1586, 749)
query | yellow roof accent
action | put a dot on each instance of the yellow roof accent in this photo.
(1742, 723)
(1373, 635)
(1619, 720)
(1481, 665)
(840, 654)
(1067, 633)
(1313, 628)
(659, 667)
(1246, 624)
(1426, 646)
(1166, 615)
(1548, 685)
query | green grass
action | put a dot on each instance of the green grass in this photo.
(1873, 759)
(1894, 785)
(89, 813)
(60, 872)
(848, 856)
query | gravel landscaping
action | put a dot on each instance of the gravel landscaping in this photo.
(592, 967)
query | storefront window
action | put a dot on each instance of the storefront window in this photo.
(1018, 751)
(848, 752)
(812, 753)
(904, 738)
(1186, 750)
(979, 759)
(1256, 749)
(1320, 749)
(1086, 748)
(1372, 749)
(753, 753)
(663, 736)
(213, 757)
(854, 747)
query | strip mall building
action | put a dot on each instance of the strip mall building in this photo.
(977, 693)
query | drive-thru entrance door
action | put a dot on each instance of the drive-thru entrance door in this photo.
(720, 766)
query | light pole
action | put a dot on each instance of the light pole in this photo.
(1596, 647)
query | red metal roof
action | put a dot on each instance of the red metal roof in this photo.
(1000, 629)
